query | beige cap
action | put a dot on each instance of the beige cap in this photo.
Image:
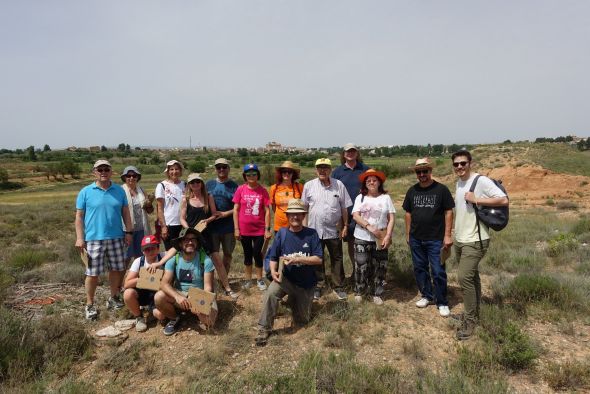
(295, 206)
(101, 162)
(324, 161)
(193, 176)
(350, 146)
(221, 160)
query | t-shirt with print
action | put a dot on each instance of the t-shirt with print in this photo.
(172, 194)
(223, 193)
(465, 220)
(375, 210)
(306, 241)
(280, 195)
(189, 274)
(137, 262)
(427, 207)
(251, 215)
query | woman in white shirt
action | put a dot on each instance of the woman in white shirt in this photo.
(169, 195)
(374, 214)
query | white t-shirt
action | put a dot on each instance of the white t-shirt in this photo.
(135, 265)
(465, 220)
(172, 193)
(375, 210)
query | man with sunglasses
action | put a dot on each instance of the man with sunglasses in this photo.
(469, 248)
(101, 209)
(222, 229)
(429, 220)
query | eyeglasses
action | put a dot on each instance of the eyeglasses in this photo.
(422, 172)
(131, 176)
(221, 167)
(103, 169)
(460, 163)
(251, 174)
(286, 171)
(189, 239)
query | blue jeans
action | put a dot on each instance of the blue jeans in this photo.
(425, 254)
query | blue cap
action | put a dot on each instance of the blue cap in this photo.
(251, 167)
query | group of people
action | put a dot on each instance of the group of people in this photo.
(197, 221)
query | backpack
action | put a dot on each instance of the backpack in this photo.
(495, 218)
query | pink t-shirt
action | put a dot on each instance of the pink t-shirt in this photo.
(251, 214)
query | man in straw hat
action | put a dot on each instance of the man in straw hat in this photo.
(429, 220)
(297, 250)
(327, 201)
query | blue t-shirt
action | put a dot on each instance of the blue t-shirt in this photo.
(222, 193)
(350, 178)
(102, 211)
(306, 241)
(191, 273)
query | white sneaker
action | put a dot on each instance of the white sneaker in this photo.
(140, 325)
(377, 300)
(261, 285)
(423, 302)
(444, 311)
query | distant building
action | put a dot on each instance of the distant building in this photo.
(94, 149)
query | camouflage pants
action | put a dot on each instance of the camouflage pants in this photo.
(370, 267)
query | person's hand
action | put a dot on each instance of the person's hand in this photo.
(386, 243)
(448, 242)
(183, 302)
(237, 234)
(164, 232)
(470, 197)
(128, 239)
(275, 276)
(81, 244)
(152, 269)
(267, 234)
(344, 232)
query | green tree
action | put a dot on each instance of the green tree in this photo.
(197, 166)
(121, 147)
(70, 168)
(31, 155)
(103, 148)
(3, 175)
(46, 148)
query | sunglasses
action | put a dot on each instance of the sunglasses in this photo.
(286, 171)
(460, 163)
(103, 169)
(131, 176)
(189, 239)
(194, 181)
(222, 167)
(421, 172)
(251, 174)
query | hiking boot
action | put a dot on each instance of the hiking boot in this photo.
(115, 303)
(340, 294)
(232, 294)
(140, 324)
(261, 284)
(377, 300)
(262, 337)
(466, 330)
(317, 293)
(172, 326)
(423, 302)
(444, 311)
(91, 312)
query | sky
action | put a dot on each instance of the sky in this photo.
(304, 73)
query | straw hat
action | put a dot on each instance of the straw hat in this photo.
(288, 164)
(296, 206)
(422, 163)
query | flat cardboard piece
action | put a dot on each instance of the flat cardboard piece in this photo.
(281, 266)
(85, 258)
(201, 226)
(148, 281)
(444, 255)
(200, 300)
(379, 238)
(265, 247)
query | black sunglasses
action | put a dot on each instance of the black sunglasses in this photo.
(194, 181)
(460, 163)
(222, 167)
(103, 169)
(420, 172)
(131, 176)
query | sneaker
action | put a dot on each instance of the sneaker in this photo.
(261, 285)
(444, 311)
(466, 330)
(262, 337)
(317, 293)
(171, 327)
(232, 294)
(140, 325)
(423, 302)
(340, 294)
(247, 284)
(358, 298)
(91, 312)
(115, 302)
(377, 300)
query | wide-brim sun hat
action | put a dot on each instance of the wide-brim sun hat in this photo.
(422, 164)
(296, 205)
(177, 242)
(127, 170)
(372, 172)
(290, 165)
(171, 163)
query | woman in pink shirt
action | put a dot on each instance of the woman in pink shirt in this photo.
(252, 222)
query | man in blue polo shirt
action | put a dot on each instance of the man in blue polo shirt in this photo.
(301, 251)
(101, 208)
(348, 173)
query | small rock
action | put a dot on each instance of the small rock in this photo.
(125, 325)
(109, 332)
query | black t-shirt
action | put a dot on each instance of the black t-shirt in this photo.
(428, 206)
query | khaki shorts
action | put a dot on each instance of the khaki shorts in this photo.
(227, 241)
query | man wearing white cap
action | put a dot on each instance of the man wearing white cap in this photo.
(101, 209)
(327, 201)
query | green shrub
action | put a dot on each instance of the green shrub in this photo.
(567, 205)
(582, 226)
(24, 259)
(401, 269)
(516, 351)
(562, 244)
(550, 202)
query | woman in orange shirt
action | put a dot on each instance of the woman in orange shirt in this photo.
(285, 188)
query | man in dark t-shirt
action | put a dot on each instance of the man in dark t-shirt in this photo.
(300, 250)
(429, 219)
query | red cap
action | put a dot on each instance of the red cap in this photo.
(149, 240)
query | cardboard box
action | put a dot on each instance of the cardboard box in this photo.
(201, 300)
(148, 281)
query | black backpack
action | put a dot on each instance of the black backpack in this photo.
(495, 218)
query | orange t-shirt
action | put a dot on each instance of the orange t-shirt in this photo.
(279, 198)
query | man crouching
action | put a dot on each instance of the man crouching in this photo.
(190, 268)
(300, 250)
